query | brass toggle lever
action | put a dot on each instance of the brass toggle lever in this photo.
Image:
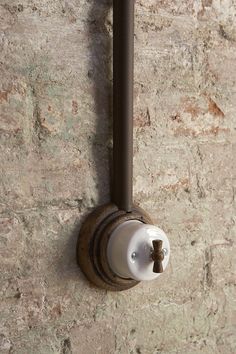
(157, 256)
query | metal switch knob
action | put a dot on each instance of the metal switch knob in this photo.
(157, 256)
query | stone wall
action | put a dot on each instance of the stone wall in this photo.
(55, 141)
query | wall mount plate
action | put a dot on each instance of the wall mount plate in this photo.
(92, 244)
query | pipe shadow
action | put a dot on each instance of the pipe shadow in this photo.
(100, 74)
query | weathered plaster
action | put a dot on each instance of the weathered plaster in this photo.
(55, 142)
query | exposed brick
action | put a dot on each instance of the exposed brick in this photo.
(55, 134)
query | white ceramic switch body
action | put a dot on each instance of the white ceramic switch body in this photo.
(130, 247)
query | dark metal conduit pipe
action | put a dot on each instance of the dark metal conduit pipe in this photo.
(123, 67)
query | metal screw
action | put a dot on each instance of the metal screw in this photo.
(134, 256)
(165, 250)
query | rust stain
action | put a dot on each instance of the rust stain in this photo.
(12, 88)
(74, 107)
(205, 4)
(193, 110)
(214, 109)
(181, 183)
(3, 95)
(216, 130)
(190, 106)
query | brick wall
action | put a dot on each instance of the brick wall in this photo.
(55, 142)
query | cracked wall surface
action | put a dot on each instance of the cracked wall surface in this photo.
(55, 143)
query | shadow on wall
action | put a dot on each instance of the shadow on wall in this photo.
(100, 64)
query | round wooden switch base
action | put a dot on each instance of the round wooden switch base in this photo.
(92, 245)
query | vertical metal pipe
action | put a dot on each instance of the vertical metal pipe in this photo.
(123, 67)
